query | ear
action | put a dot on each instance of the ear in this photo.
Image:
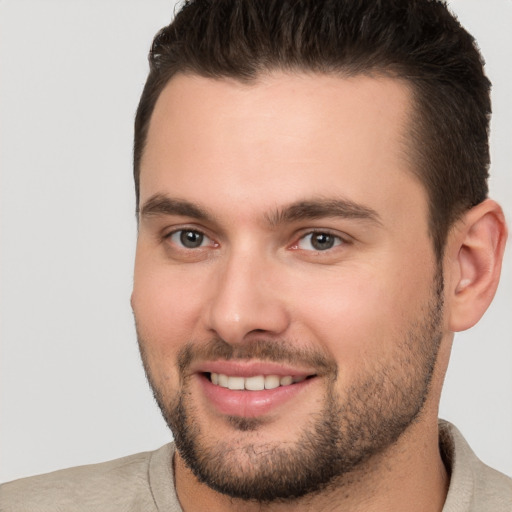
(474, 252)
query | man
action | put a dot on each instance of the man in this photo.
(313, 228)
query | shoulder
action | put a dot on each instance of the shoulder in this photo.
(121, 484)
(474, 486)
(494, 487)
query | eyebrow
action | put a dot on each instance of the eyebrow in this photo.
(322, 208)
(160, 204)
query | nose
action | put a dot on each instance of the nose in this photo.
(247, 299)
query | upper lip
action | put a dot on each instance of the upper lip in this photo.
(241, 368)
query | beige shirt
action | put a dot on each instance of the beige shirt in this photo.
(145, 482)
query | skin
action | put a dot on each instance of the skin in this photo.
(242, 152)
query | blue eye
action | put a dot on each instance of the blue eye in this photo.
(319, 241)
(189, 238)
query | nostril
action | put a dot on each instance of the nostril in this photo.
(258, 331)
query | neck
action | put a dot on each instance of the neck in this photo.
(410, 471)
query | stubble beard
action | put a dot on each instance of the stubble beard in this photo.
(334, 443)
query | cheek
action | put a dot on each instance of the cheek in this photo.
(167, 307)
(359, 316)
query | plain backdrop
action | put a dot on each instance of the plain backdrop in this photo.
(72, 389)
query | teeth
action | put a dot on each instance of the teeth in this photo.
(272, 382)
(236, 383)
(256, 383)
(286, 381)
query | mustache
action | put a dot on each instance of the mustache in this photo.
(278, 351)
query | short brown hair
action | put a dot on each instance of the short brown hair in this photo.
(418, 41)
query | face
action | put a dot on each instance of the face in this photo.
(286, 294)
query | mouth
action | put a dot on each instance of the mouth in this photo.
(254, 383)
(252, 389)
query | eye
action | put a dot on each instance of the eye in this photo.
(319, 241)
(189, 239)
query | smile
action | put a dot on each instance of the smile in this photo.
(251, 390)
(254, 383)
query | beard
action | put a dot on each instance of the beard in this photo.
(334, 442)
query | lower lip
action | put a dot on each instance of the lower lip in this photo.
(250, 404)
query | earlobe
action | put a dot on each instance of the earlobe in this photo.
(475, 250)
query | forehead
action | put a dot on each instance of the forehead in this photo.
(278, 139)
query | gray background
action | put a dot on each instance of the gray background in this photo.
(72, 390)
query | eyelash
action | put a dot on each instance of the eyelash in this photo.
(337, 240)
(182, 232)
